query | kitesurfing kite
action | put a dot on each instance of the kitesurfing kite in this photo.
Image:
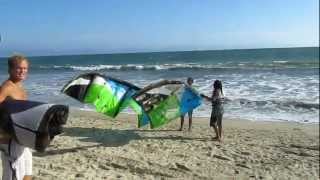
(166, 100)
(32, 124)
(156, 104)
(107, 94)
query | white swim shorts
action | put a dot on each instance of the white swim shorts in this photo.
(16, 161)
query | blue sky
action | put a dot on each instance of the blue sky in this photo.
(86, 27)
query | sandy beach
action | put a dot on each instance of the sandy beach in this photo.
(94, 146)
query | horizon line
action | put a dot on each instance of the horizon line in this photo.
(140, 52)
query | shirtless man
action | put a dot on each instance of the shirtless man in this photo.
(16, 160)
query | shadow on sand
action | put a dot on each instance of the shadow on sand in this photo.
(63, 151)
(112, 138)
(115, 137)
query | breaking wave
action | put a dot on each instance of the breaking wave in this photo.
(228, 65)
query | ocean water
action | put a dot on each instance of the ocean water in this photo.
(261, 84)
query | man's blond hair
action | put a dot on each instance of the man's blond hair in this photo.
(16, 59)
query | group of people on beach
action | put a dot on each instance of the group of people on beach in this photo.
(217, 108)
(17, 159)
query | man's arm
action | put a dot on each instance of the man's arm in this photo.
(4, 92)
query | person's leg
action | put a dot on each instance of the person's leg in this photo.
(27, 177)
(213, 123)
(220, 126)
(190, 119)
(216, 132)
(181, 123)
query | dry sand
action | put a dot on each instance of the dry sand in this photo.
(96, 147)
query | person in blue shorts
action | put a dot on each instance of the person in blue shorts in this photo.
(189, 83)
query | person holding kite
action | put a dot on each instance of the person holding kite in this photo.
(217, 109)
(189, 85)
(18, 163)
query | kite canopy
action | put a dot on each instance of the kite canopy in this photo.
(156, 104)
(167, 100)
(107, 94)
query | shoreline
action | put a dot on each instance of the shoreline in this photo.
(95, 146)
(207, 117)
